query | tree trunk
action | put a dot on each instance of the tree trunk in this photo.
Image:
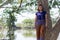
(51, 33)
(55, 31)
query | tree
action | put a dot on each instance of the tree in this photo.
(11, 20)
(51, 33)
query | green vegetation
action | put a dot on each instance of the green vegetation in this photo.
(26, 23)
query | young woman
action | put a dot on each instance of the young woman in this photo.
(40, 22)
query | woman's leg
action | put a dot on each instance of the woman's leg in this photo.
(42, 32)
(38, 32)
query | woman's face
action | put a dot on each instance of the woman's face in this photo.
(40, 8)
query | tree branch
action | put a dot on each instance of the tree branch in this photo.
(57, 26)
(20, 3)
(55, 31)
(6, 2)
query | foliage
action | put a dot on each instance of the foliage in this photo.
(54, 3)
(28, 22)
(10, 22)
(1, 35)
(0, 1)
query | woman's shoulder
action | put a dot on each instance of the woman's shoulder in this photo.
(37, 12)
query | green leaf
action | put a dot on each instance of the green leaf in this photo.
(0, 1)
(55, 3)
(10, 1)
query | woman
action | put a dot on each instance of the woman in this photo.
(40, 22)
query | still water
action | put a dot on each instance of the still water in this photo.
(19, 35)
(30, 36)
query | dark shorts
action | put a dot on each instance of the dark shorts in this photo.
(40, 22)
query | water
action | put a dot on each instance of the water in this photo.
(19, 36)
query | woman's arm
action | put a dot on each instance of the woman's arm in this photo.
(35, 21)
(35, 18)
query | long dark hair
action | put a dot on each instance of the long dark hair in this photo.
(42, 7)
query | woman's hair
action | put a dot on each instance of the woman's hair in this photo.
(42, 7)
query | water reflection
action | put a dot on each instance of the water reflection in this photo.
(19, 35)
